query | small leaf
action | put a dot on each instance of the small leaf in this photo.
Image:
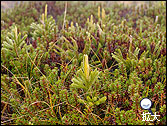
(94, 99)
(81, 101)
(89, 99)
(102, 100)
(97, 103)
(90, 104)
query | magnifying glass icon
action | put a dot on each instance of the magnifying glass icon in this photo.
(146, 104)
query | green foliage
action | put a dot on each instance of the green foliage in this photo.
(85, 79)
(14, 43)
(87, 63)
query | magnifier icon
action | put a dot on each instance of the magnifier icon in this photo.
(146, 104)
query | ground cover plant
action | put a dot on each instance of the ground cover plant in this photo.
(73, 63)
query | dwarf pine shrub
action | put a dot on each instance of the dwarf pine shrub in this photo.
(87, 63)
